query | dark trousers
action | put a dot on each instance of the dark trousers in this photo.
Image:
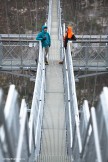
(66, 40)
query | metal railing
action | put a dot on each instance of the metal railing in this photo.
(16, 54)
(20, 136)
(35, 121)
(87, 130)
(90, 54)
(71, 100)
(49, 16)
(59, 20)
(17, 36)
(88, 51)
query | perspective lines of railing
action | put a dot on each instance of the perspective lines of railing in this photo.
(20, 132)
(87, 128)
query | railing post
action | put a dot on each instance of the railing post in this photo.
(64, 29)
(4, 133)
(1, 53)
(49, 16)
(21, 66)
(59, 18)
(106, 55)
(86, 56)
(96, 135)
(62, 42)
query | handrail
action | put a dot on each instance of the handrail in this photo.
(83, 131)
(59, 20)
(19, 40)
(96, 135)
(23, 132)
(74, 108)
(8, 117)
(49, 16)
(68, 100)
(38, 97)
(90, 41)
(34, 35)
(23, 120)
(72, 105)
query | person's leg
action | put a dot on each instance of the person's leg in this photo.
(65, 43)
(46, 54)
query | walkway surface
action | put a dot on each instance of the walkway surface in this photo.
(53, 145)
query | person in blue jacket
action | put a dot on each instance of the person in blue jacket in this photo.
(46, 41)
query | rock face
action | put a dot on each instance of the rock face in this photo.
(86, 16)
(22, 16)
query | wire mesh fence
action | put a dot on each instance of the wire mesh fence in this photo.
(18, 53)
(20, 137)
(91, 55)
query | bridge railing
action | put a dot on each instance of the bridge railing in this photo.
(87, 130)
(91, 54)
(18, 53)
(9, 125)
(20, 136)
(49, 16)
(35, 121)
(71, 100)
(59, 11)
(88, 51)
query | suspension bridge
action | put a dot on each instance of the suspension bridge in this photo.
(56, 130)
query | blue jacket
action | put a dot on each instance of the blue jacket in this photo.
(45, 42)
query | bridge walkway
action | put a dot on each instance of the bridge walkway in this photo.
(53, 145)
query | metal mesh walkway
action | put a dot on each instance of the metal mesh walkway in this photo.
(53, 145)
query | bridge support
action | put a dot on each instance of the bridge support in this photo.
(1, 53)
(106, 55)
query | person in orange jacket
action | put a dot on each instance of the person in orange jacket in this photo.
(69, 35)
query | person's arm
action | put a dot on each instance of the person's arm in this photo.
(39, 37)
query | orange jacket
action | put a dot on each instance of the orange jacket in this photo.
(69, 32)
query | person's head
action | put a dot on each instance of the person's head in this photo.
(70, 32)
(44, 28)
(69, 29)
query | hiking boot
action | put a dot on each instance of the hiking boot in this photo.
(60, 62)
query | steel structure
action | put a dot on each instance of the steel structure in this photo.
(20, 137)
(88, 52)
(16, 54)
(87, 129)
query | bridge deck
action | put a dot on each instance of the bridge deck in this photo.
(54, 130)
